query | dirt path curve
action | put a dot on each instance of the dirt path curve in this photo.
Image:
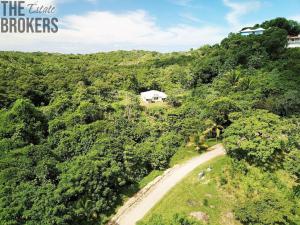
(137, 206)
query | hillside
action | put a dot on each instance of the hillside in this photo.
(73, 134)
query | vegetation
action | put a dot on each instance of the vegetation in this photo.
(74, 136)
(182, 155)
(195, 195)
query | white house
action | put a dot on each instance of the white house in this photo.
(153, 96)
(294, 41)
(249, 31)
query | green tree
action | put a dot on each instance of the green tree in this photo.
(220, 109)
(21, 125)
(275, 42)
(92, 181)
(292, 27)
(259, 137)
(266, 209)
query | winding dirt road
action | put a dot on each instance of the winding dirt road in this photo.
(137, 206)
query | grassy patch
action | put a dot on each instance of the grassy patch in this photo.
(212, 141)
(150, 177)
(130, 190)
(193, 195)
(155, 105)
(182, 155)
(188, 152)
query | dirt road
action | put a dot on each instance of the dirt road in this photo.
(137, 206)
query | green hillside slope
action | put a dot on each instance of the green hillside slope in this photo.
(74, 134)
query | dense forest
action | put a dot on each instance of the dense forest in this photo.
(73, 133)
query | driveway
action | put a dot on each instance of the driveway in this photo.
(140, 204)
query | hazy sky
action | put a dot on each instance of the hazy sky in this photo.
(162, 25)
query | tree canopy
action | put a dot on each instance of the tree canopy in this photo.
(74, 134)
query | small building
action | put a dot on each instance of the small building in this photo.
(294, 41)
(249, 31)
(153, 96)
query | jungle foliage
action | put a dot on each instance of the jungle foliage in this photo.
(73, 133)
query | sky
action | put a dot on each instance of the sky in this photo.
(89, 26)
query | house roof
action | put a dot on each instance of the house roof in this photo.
(259, 29)
(153, 93)
(294, 37)
(252, 30)
(247, 30)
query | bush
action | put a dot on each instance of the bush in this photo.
(270, 208)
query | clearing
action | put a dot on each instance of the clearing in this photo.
(193, 196)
